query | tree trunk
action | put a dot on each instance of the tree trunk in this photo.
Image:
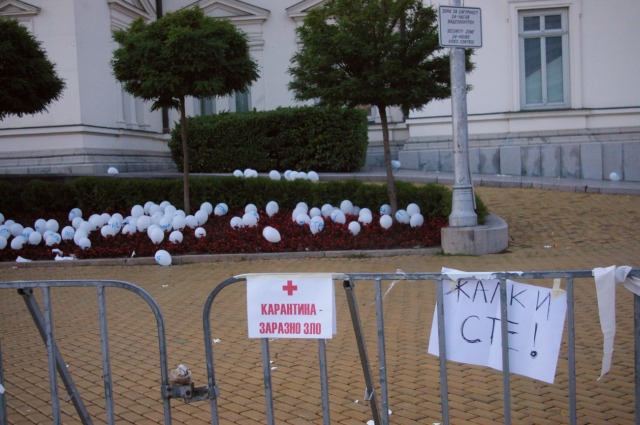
(185, 157)
(391, 185)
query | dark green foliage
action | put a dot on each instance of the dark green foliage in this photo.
(303, 139)
(107, 194)
(437, 197)
(28, 79)
(481, 210)
(11, 203)
(381, 52)
(185, 53)
(99, 194)
(41, 196)
(375, 52)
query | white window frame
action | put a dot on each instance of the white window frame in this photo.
(563, 32)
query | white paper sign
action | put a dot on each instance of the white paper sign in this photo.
(291, 306)
(473, 327)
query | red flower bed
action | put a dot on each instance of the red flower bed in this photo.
(221, 238)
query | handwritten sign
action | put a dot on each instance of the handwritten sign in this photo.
(291, 306)
(473, 326)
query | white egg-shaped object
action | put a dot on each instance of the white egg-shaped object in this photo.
(416, 220)
(386, 221)
(337, 216)
(84, 243)
(68, 232)
(274, 175)
(402, 216)
(326, 210)
(34, 238)
(156, 235)
(176, 236)
(249, 219)
(270, 234)
(200, 232)
(346, 206)
(221, 209)
(163, 258)
(413, 209)
(272, 208)
(236, 222)
(18, 242)
(303, 219)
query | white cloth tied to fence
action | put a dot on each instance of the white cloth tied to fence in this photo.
(606, 280)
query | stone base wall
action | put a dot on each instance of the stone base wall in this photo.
(83, 162)
(82, 150)
(592, 155)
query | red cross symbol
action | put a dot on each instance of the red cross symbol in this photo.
(290, 287)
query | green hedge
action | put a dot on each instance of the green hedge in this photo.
(99, 194)
(10, 199)
(306, 138)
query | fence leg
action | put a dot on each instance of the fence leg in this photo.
(636, 329)
(504, 325)
(268, 389)
(324, 384)
(3, 403)
(106, 360)
(442, 345)
(571, 351)
(382, 357)
(51, 355)
(38, 319)
(364, 358)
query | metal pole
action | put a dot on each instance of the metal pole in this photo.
(48, 329)
(370, 394)
(463, 203)
(384, 395)
(214, 391)
(571, 351)
(636, 331)
(67, 380)
(3, 403)
(504, 328)
(268, 389)
(106, 359)
(324, 382)
(442, 346)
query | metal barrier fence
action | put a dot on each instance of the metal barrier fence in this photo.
(44, 322)
(381, 412)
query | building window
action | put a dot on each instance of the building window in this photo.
(207, 106)
(544, 59)
(242, 101)
(371, 111)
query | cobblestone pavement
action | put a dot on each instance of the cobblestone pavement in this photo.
(549, 230)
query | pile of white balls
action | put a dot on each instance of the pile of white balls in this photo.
(164, 220)
(288, 175)
(157, 220)
(314, 218)
(17, 236)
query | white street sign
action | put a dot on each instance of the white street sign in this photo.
(460, 26)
